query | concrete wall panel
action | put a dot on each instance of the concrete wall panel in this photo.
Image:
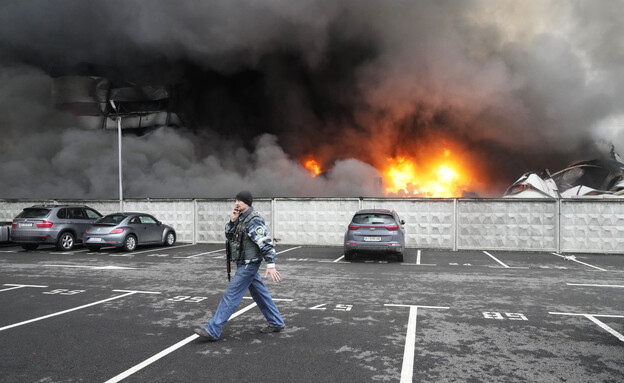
(10, 209)
(507, 225)
(587, 226)
(317, 221)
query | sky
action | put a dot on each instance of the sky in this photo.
(500, 87)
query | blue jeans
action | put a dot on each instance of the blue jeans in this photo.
(246, 277)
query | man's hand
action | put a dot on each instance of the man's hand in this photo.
(235, 214)
(275, 275)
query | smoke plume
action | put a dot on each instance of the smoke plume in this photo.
(507, 86)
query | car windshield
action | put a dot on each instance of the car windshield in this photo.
(373, 219)
(34, 213)
(112, 219)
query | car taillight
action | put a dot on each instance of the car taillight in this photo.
(354, 227)
(45, 224)
(117, 231)
(392, 227)
(14, 224)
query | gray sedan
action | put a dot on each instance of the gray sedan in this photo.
(127, 231)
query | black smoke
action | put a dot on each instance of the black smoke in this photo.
(260, 85)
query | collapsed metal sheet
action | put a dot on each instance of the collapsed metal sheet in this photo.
(594, 178)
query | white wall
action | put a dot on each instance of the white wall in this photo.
(497, 224)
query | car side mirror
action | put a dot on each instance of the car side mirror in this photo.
(158, 223)
(402, 222)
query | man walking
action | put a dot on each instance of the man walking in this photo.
(249, 243)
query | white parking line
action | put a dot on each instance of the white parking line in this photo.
(593, 318)
(168, 351)
(605, 327)
(95, 267)
(12, 249)
(223, 250)
(573, 258)
(292, 248)
(418, 254)
(407, 370)
(77, 251)
(74, 251)
(160, 249)
(133, 253)
(275, 299)
(14, 286)
(582, 315)
(200, 254)
(128, 292)
(339, 259)
(593, 285)
(494, 258)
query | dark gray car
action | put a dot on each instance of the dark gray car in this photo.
(127, 231)
(62, 225)
(375, 230)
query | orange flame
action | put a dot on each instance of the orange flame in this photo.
(313, 167)
(438, 169)
(441, 178)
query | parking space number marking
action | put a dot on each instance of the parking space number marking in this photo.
(343, 307)
(64, 292)
(187, 298)
(338, 307)
(500, 316)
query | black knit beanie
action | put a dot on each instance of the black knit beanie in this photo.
(245, 196)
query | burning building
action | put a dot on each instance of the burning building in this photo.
(308, 98)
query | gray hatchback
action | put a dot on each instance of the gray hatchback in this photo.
(375, 230)
(62, 225)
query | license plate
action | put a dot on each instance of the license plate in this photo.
(94, 240)
(25, 225)
(372, 239)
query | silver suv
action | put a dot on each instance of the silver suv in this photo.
(62, 225)
(375, 230)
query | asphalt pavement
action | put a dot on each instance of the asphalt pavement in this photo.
(439, 316)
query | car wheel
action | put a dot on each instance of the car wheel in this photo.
(170, 239)
(30, 246)
(348, 255)
(66, 241)
(93, 248)
(130, 243)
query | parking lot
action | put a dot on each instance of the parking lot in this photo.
(112, 316)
